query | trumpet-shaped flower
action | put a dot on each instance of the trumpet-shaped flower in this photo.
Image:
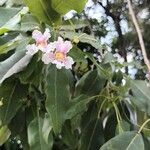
(58, 54)
(41, 39)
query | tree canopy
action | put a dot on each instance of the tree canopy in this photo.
(74, 75)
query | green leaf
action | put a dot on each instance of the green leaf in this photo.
(141, 95)
(39, 136)
(68, 136)
(126, 141)
(57, 96)
(47, 126)
(11, 94)
(90, 84)
(43, 11)
(11, 3)
(77, 54)
(8, 46)
(10, 22)
(32, 74)
(15, 63)
(6, 14)
(4, 134)
(9, 38)
(18, 123)
(77, 106)
(92, 136)
(122, 127)
(64, 6)
(110, 126)
(83, 37)
(73, 24)
(29, 22)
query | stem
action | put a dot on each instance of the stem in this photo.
(141, 41)
(118, 117)
(141, 128)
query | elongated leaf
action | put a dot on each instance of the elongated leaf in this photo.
(8, 38)
(8, 46)
(4, 134)
(92, 136)
(43, 11)
(47, 126)
(90, 84)
(38, 134)
(68, 136)
(15, 63)
(12, 21)
(74, 24)
(11, 94)
(141, 95)
(78, 106)
(18, 122)
(77, 54)
(64, 6)
(32, 74)
(6, 14)
(23, 62)
(126, 141)
(57, 93)
(110, 126)
(29, 23)
(122, 127)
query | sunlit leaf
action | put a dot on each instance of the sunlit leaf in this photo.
(39, 137)
(43, 10)
(57, 96)
(14, 63)
(126, 141)
(141, 95)
(4, 134)
(64, 6)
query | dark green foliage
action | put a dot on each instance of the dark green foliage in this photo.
(93, 106)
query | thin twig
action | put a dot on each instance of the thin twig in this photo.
(141, 41)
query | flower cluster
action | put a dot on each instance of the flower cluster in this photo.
(52, 52)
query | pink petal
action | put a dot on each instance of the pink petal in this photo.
(63, 46)
(67, 46)
(59, 44)
(46, 34)
(68, 62)
(36, 35)
(50, 47)
(31, 49)
(48, 58)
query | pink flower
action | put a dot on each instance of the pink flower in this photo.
(41, 39)
(31, 49)
(48, 56)
(58, 54)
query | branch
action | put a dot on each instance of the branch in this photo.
(141, 41)
(116, 19)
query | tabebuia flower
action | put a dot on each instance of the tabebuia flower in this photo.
(54, 52)
(58, 54)
(41, 41)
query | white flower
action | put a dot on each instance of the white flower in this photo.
(31, 49)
